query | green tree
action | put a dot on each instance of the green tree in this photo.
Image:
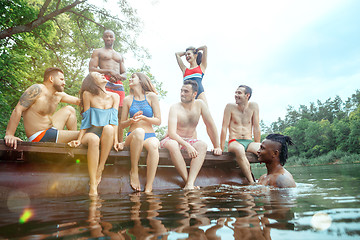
(36, 34)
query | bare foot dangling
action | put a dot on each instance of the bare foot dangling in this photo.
(135, 182)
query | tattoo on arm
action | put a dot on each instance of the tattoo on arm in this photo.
(30, 95)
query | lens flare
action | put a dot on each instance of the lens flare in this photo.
(27, 214)
(321, 221)
(77, 161)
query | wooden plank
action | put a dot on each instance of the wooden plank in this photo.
(62, 148)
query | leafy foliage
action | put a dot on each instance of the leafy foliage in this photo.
(322, 128)
(37, 34)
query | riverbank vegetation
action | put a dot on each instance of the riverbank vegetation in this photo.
(324, 133)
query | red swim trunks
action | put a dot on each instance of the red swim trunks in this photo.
(116, 87)
(189, 140)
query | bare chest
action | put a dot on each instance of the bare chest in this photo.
(188, 118)
(45, 105)
(241, 118)
(107, 56)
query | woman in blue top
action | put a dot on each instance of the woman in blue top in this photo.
(142, 105)
(99, 125)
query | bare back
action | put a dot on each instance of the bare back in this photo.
(38, 116)
(241, 122)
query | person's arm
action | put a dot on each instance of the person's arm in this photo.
(210, 128)
(116, 103)
(86, 102)
(26, 100)
(66, 98)
(203, 64)
(180, 62)
(125, 121)
(256, 123)
(285, 181)
(225, 126)
(122, 69)
(154, 102)
(172, 126)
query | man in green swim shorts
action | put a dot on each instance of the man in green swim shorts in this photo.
(242, 120)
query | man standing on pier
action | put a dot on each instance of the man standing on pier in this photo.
(242, 120)
(110, 63)
(183, 119)
(37, 106)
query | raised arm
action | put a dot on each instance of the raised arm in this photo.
(203, 64)
(256, 123)
(180, 62)
(225, 126)
(26, 100)
(210, 127)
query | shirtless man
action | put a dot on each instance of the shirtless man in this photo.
(110, 63)
(242, 119)
(183, 119)
(37, 105)
(274, 152)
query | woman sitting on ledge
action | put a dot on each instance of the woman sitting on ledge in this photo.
(143, 106)
(99, 125)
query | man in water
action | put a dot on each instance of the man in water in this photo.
(274, 152)
(242, 120)
(110, 63)
(37, 105)
(183, 119)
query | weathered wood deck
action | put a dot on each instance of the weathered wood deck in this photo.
(56, 169)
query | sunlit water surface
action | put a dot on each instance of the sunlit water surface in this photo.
(325, 205)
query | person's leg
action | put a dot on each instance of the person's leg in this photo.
(196, 163)
(253, 147)
(65, 136)
(239, 151)
(152, 161)
(120, 130)
(136, 142)
(66, 116)
(106, 143)
(176, 157)
(92, 141)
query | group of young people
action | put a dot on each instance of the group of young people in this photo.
(106, 112)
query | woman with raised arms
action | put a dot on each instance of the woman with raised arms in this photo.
(197, 57)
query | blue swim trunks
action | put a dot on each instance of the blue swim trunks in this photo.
(147, 135)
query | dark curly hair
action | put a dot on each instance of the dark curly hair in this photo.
(285, 141)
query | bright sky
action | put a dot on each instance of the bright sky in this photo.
(289, 52)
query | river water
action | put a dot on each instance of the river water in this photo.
(325, 205)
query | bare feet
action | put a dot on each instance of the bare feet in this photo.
(148, 189)
(190, 187)
(93, 190)
(135, 182)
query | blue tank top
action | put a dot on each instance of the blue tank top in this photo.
(99, 117)
(143, 106)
